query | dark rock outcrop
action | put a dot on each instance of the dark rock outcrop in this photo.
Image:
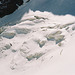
(9, 6)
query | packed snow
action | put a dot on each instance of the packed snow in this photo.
(41, 43)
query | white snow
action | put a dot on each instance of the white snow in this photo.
(41, 43)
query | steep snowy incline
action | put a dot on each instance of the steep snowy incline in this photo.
(40, 44)
(59, 7)
(15, 16)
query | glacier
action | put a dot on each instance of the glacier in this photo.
(36, 41)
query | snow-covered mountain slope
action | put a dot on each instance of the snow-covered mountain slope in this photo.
(59, 7)
(15, 16)
(41, 43)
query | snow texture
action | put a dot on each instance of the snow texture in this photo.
(40, 43)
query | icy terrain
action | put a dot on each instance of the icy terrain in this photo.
(40, 44)
(37, 43)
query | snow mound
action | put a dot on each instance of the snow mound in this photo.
(34, 39)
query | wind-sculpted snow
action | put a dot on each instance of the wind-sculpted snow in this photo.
(34, 39)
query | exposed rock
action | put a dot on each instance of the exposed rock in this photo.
(9, 6)
(35, 56)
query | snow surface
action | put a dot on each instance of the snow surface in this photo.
(37, 43)
(40, 44)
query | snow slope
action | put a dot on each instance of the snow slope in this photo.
(59, 7)
(38, 43)
(41, 43)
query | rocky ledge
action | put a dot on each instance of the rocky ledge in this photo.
(9, 6)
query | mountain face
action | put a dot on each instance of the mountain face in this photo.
(9, 6)
(59, 7)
